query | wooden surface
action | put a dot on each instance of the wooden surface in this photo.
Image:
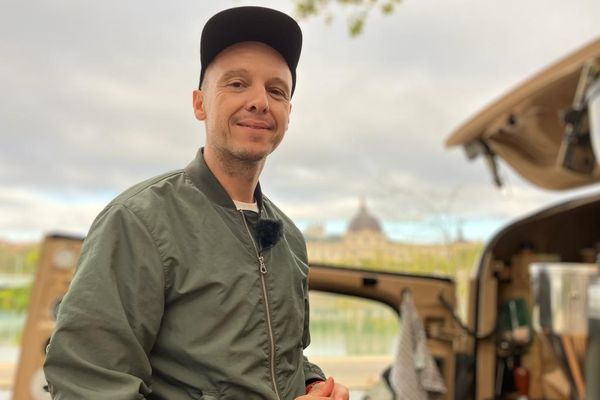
(7, 372)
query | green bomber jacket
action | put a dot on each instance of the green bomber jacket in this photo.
(174, 299)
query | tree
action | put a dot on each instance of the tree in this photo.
(360, 10)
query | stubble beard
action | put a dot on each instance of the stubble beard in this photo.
(236, 159)
(240, 161)
(250, 158)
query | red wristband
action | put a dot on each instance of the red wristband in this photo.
(310, 386)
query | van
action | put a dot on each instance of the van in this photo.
(524, 335)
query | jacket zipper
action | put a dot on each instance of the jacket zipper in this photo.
(263, 272)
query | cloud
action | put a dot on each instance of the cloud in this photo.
(28, 215)
(97, 96)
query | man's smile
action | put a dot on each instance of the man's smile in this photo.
(255, 124)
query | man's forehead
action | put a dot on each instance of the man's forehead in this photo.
(239, 58)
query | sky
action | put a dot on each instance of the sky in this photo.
(96, 96)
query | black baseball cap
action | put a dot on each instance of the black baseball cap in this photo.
(251, 24)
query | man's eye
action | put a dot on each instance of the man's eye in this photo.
(236, 84)
(278, 92)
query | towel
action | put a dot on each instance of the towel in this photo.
(414, 375)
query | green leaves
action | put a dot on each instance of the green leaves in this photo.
(356, 24)
(357, 16)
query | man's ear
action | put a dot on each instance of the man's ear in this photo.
(289, 114)
(198, 105)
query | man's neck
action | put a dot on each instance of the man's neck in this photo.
(238, 177)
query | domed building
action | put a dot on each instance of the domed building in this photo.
(363, 241)
(364, 237)
(364, 244)
(364, 221)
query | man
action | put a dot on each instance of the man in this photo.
(193, 285)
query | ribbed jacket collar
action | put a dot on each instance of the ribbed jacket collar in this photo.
(208, 184)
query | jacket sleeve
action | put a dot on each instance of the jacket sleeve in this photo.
(110, 316)
(311, 371)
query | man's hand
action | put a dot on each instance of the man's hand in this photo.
(327, 390)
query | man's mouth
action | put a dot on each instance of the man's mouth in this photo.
(254, 124)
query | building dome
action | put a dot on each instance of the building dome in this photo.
(364, 221)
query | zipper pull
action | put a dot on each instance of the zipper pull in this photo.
(263, 266)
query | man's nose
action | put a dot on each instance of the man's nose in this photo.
(258, 100)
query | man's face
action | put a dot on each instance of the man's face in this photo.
(245, 101)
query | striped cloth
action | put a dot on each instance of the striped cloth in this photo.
(414, 375)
